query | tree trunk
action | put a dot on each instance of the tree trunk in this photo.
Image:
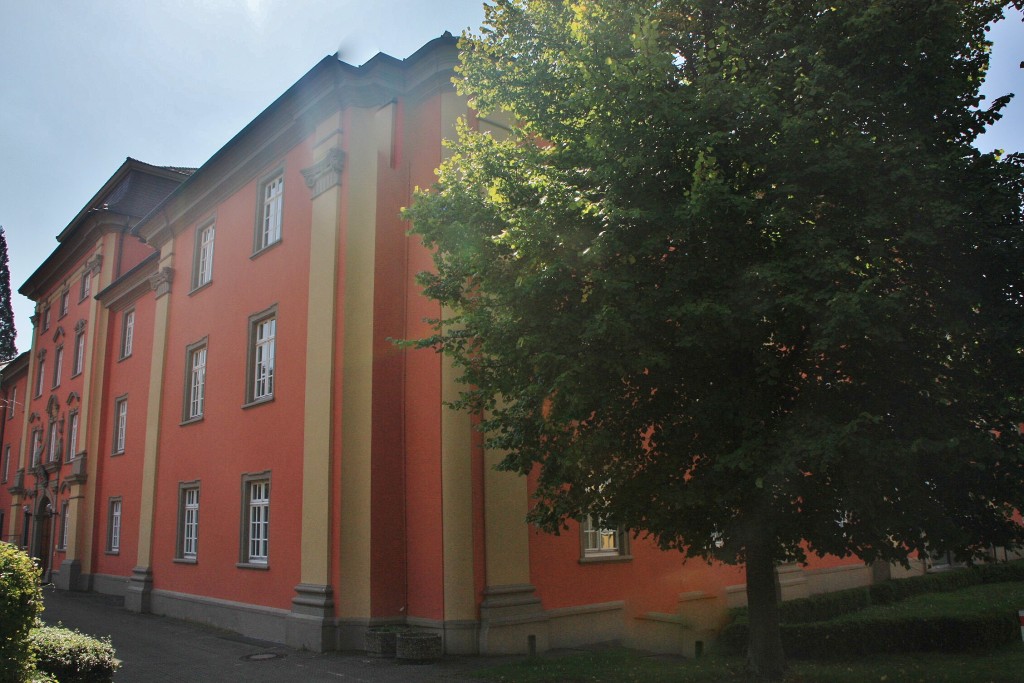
(765, 660)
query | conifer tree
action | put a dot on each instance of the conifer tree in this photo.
(8, 350)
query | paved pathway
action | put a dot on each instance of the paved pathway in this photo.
(157, 649)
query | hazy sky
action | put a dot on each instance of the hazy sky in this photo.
(85, 84)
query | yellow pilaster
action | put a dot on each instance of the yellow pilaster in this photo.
(357, 366)
(313, 605)
(137, 596)
(456, 477)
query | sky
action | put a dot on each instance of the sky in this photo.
(85, 84)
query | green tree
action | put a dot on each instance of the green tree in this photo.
(8, 349)
(738, 280)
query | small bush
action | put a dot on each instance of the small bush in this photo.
(21, 601)
(821, 607)
(72, 657)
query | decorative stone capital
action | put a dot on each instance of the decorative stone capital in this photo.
(326, 173)
(93, 265)
(160, 281)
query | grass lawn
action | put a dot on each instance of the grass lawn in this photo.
(619, 664)
(1005, 665)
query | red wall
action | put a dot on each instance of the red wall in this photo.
(231, 440)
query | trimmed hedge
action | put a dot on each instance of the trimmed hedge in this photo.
(73, 657)
(824, 640)
(809, 632)
(21, 601)
(889, 592)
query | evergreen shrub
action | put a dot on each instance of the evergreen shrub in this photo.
(73, 657)
(21, 601)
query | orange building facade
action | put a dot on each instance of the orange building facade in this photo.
(214, 422)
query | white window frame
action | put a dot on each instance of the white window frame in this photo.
(262, 355)
(62, 542)
(65, 302)
(202, 266)
(601, 542)
(271, 212)
(188, 522)
(53, 445)
(195, 381)
(12, 402)
(37, 446)
(127, 332)
(120, 424)
(58, 365)
(7, 467)
(114, 526)
(40, 376)
(255, 536)
(46, 317)
(79, 360)
(72, 434)
(86, 287)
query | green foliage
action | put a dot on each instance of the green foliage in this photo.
(21, 602)
(72, 657)
(8, 349)
(737, 275)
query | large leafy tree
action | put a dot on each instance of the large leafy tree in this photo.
(738, 279)
(8, 349)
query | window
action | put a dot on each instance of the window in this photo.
(62, 542)
(79, 361)
(86, 286)
(41, 372)
(46, 318)
(188, 522)
(601, 541)
(7, 469)
(64, 302)
(114, 526)
(58, 365)
(72, 434)
(120, 423)
(256, 519)
(127, 333)
(202, 262)
(262, 342)
(37, 446)
(195, 381)
(269, 229)
(12, 402)
(53, 447)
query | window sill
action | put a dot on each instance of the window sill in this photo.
(125, 357)
(112, 552)
(185, 560)
(602, 559)
(116, 453)
(263, 250)
(191, 420)
(253, 565)
(75, 374)
(257, 402)
(201, 287)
